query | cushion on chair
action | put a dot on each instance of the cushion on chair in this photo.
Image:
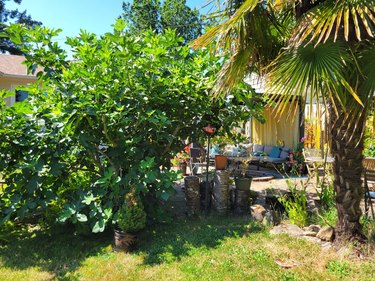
(275, 152)
(215, 150)
(257, 148)
(284, 154)
(273, 160)
(268, 149)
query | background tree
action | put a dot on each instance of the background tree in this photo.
(106, 122)
(175, 14)
(142, 15)
(6, 15)
(319, 50)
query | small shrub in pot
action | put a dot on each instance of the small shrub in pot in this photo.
(131, 218)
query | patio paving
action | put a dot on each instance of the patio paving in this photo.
(277, 183)
(177, 203)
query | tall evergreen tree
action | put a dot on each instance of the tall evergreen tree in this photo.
(7, 15)
(142, 15)
(175, 14)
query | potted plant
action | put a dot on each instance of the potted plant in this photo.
(131, 217)
(221, 162)
(181, 160)
(242, 181)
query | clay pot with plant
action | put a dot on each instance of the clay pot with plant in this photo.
(131, 218)
(242, 181)
(221, 162)
(181, 161)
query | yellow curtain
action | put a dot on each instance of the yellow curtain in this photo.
(278, 128)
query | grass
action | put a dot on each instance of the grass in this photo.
(224, 248)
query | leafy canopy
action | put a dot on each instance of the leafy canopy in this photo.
(106, 122)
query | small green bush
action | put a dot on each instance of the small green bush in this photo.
(327, 194)
(369, 227)
(338, 268)
(327, 217)
(296, 204)
(131, 215)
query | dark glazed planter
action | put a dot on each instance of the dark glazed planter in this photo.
(221, 162)
(243, 183)
(123, 241)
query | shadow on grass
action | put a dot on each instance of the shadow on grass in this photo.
(61, 252)
(58, 251)
(168, 243)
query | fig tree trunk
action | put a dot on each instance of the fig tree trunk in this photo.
(347, 148)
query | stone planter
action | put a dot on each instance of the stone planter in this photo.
(192, 195)
(220, 192)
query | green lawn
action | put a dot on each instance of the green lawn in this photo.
(213, 249)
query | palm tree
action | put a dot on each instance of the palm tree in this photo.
(316, 49)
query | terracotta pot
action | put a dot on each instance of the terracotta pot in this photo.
(221, 162)
(182, 167)
(123, 241)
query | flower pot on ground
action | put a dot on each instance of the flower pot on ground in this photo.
(123, 241)
(181, 160)
(131, 218)
(221, 162)
(243, 183)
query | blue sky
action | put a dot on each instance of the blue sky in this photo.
(72, 15)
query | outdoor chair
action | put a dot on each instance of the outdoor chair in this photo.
(316, 163)
(197, 159)
(369, 184)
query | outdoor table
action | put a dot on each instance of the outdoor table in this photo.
(249, 159)
(317, 162)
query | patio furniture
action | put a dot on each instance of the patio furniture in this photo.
(270, 154)
(237, 161)
(198, 159)
(315, 162)
(369, 183)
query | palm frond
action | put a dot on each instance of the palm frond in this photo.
(336, 19)
(222, 31)
(312, 73)
(368, 70)
(251, 37)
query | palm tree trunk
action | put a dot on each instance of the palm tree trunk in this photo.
(347, 148)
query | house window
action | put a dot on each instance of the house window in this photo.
(21, 95)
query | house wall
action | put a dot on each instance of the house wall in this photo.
(284, 127)
(9, 83)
